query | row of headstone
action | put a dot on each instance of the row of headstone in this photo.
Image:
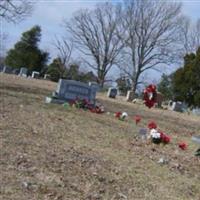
(9, 70)
(68, 90)
(23, 72)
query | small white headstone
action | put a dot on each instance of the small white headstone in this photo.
(47, 76)
(35, 74)
(23, 72)
(130, 95)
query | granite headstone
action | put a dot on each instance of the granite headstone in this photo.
(68, 90)
(112, 92)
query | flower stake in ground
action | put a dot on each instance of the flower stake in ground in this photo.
(182, 145)
(164, 138)
(157, 136)
(97, 109)
(118, 114)
(137, 119)
(150, 94)
(121, 116)
(152, 125)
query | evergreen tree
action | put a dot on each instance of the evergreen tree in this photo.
(26, 52)
(56, 70)
(165, 86)
(186, 80)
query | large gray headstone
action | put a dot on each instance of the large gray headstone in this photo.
(112, 92)
(70, 90)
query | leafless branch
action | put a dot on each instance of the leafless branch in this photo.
(152, 30)
(95, 35)
(15, 11)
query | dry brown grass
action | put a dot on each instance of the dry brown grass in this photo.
(48, 152)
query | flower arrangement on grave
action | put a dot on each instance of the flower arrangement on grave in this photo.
(85, 104)
(182, 145)
(80, 103)
(137, 119)
(157, 136)
(164, 138)
(152, 125)
(97, 109)
(121, 116)
(150, 94)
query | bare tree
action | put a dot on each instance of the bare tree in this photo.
(3, 39)
(190, 36)
(152, 29)
(64, 49)
(94, 34)
(195, 35)
(15, 10)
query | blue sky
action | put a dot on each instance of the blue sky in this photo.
(49, 14)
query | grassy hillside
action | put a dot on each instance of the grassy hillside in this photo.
(49, 152)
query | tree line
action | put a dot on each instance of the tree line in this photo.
(135, 36)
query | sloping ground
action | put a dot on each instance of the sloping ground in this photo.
(48, 152)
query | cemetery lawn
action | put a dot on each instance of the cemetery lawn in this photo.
(51, 152)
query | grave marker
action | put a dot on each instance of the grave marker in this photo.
(23, 72)
(112, 92)
(143, 133)
(68, 90)
(35, 74)
(130, 96)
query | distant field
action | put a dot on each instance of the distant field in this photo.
(49, 152)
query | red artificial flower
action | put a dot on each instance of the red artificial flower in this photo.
(150, 96)
(137, 119)
(165, 138)
(152, 125)
(118, 114)
(99, 110)
(182, 145)
(72, 102)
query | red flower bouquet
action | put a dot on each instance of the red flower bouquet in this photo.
(164, 138)
(118, 115)
(150, 96)
(152, 125)
(182, 145)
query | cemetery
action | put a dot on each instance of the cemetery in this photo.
(99, 100)
(97, 147)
